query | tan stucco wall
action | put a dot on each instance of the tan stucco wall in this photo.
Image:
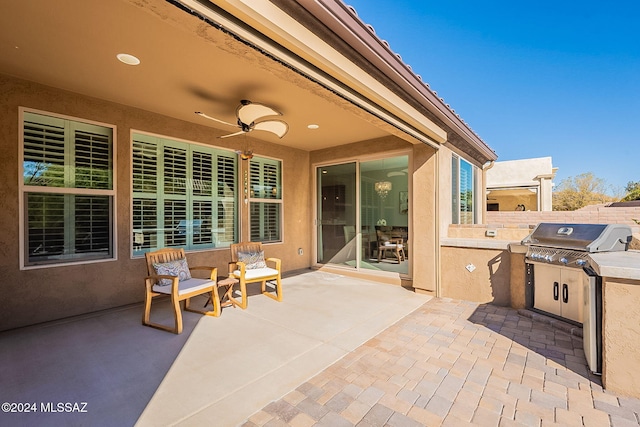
(518, 280)
(620, 336)
(43, 294)
(512, 173)
(510, 203)
(444, 196)
(425, 217)
(512, 233)
(489, 282)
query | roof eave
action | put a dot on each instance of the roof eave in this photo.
(343, 20)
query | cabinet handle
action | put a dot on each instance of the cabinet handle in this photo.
(556, 291)
(565, 293)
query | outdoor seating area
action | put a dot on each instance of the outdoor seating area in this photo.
(168, 274)
(382, 355)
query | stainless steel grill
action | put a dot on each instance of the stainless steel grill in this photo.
(561, 283)
(570, 244)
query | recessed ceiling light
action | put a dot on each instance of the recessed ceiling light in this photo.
(127, 59)
(313, 126)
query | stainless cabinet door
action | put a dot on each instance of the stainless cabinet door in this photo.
(547, 288)
(571, 294)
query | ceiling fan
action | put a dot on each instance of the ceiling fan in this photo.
(248, 113)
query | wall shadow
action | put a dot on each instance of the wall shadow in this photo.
(554, 344)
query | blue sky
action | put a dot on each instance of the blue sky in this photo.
(532, 79)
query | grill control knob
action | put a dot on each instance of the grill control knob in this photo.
(581, 262)
(564, 260)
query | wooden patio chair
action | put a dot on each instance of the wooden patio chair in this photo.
(169, 274)
(393, 244)
(249, 265)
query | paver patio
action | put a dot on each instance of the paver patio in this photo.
(453, 363)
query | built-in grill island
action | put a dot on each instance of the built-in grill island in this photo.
(560, 281)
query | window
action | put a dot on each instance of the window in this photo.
(184, 195)
(462, 191)
(67, 190)
(265, 200)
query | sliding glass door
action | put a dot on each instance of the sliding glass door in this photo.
(363, 210)
(384, 214)
(337, 214)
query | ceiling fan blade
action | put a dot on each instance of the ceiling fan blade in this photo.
(215, 120)
(250, 112)
(277, 127)
(232, 134)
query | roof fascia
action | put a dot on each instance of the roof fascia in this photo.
(260, 23)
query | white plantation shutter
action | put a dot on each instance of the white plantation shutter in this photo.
(75, 222)
(46, 225)
(226, 207)
(44, 150)
(175, 222)
(145, 224)
(183, 195)
(175, 170)
(266, 200)
(202, 197)
(93, 160)
(145, 167)
(93, 230)
(265, 222)
(202, 166)
(145, 188)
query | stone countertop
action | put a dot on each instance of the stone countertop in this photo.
(459, 242)
(622, 265)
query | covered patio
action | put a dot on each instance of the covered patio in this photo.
(336, 351)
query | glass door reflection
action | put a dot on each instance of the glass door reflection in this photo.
(337, 208)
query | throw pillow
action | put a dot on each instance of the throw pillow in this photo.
(177, 268)
(252, 260)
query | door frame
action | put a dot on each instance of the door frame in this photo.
(315, 222)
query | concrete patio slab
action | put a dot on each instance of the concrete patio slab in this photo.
(234, 365)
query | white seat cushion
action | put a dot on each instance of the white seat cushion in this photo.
(185, 286)
(393, 245)
(257, 273)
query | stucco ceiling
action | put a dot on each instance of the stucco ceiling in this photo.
(186, 66)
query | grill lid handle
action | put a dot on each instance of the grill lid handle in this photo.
(565, 231)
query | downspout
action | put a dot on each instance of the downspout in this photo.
(437, 226)
(488, 165)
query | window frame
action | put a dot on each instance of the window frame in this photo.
(456, 195)
(24, 190)
(190, 196)
(278, 200)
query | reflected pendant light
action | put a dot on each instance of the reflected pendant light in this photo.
(382, 188)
